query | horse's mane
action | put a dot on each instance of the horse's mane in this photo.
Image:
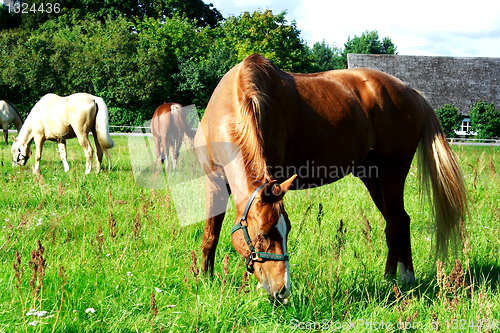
(252, 83)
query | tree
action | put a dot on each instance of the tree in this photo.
(485, 120)
(132, 71)
(368, 43)
(326, 57)
(198, 79)
(267, 34)
(205, 15)
(8, 20)
(450, 119)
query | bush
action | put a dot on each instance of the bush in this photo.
(450, 119)
(485, 120)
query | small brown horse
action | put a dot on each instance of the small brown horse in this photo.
(168, 126)
(279, 124)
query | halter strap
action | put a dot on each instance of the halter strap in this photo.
(242, 224)
(20, 156)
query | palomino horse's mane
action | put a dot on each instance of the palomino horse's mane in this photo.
(252, 80)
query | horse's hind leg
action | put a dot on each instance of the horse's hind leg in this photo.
(176, 150)
(387, 193)
(62, 153)
(99, 151)
(166, 148)
(87, 148)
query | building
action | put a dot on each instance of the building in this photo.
(443, 80)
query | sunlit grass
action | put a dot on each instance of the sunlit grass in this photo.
(117, 248)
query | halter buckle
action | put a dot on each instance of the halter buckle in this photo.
(254, 256)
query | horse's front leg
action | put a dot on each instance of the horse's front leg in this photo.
(216, 197)
(38, 154)
(6, 135)
(62, 152)
(87, 148)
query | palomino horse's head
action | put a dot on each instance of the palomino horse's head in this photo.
(260, 235)
(20, 153)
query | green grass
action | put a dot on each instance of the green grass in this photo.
(109, 243)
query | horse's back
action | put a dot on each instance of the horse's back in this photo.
(63, 117)
(160, 123)
(6, 116)
(302, 117)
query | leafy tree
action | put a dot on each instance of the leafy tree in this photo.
(8, 20)
(198, 79)
(131, 71)
(368, 43)
(269, 35)
(205, 15)
(326, 57)
(450, 119)
(485, 120)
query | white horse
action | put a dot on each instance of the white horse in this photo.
(59, 118)
(8, 115)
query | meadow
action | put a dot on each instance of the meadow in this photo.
(107, 252)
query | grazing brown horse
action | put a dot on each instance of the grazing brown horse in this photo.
(321, 127)
(168, 126)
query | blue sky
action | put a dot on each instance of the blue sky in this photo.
(424, 27)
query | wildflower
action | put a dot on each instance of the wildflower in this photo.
(130, 274)
(90, 310)
(35, 313)
(6, 220)
(33, 323)
(31, 312)
(158, 290)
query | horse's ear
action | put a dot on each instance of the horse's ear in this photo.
(285, 186)
(14, 138)
(274, 191)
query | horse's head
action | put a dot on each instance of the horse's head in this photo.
(20, 153)
(260, 235)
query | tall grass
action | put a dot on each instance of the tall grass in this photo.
(97, 253)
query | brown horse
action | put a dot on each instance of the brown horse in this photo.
(318, 127)
(168, 126)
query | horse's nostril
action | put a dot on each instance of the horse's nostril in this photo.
(282, 299)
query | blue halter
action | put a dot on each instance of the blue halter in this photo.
(254, 254)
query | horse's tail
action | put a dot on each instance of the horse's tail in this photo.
(102, 126)
(180, 120)
(440, 171)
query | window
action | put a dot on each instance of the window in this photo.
(465, 126)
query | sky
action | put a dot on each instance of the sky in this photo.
(424, 27)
